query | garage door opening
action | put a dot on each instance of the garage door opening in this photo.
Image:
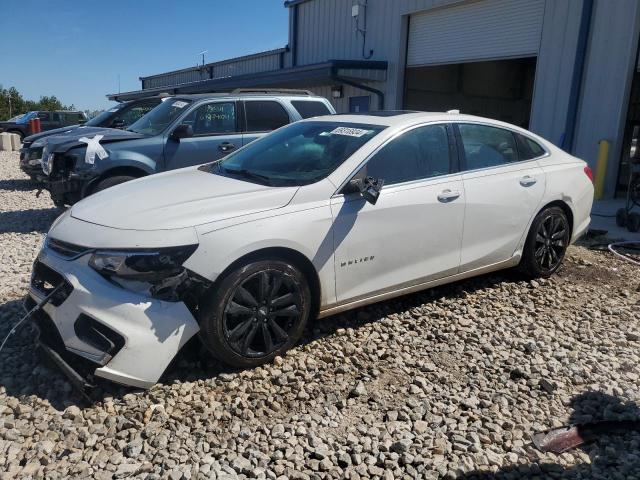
(500, 89)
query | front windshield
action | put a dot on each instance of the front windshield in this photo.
(160, 117)
(298, 154)
(102, 117)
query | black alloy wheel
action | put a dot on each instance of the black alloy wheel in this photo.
(255, 313)
(551, 241)
(261, 313)
(546, 243)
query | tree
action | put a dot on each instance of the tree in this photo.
(12, 103)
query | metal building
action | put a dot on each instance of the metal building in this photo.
(566, 69)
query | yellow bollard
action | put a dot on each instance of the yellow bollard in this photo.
(601, 168)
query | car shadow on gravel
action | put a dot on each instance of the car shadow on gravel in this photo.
(612, 456)
(27, 221)
(18, 185)
(22, 372)
(25, 374)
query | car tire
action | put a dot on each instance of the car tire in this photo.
(255, 313)
(633, 222)
(621, 217)
(111, 182)
(546, 243)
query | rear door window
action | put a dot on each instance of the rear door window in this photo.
(308, 108)
(72, 118)
(265, 115)
(527, 148)
(485, 146)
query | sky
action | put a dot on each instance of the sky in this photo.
(76, 50)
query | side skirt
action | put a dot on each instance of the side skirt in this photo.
(396, 292)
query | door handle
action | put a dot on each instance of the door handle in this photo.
(226, 146)
(448, 195)
(527, 181)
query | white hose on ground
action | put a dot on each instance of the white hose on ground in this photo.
(612, 247)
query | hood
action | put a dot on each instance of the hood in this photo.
(47, 133)
(179, 199)
(66, 141)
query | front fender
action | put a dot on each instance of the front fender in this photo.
(308, 231)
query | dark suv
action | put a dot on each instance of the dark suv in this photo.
(48, 121)
(184, 130)
(120, 116)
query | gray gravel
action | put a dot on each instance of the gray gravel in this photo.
(448, 383)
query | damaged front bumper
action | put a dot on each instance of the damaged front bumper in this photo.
(66, 190)
(30, 159)
(97, 328)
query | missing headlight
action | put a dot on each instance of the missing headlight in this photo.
(142, 265)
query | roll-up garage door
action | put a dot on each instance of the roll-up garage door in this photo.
(479, 30)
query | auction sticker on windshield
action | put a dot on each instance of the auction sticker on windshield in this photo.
(179, 104)
(350, 132)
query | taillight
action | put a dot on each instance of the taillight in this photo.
(589, 172)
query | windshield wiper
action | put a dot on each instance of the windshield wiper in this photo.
(247, 173)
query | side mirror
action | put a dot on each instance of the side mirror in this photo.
(119, 123)
(368, 187)
(182, 131)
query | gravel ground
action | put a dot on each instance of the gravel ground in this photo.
(448, 383)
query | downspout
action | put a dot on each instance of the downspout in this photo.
(294, 35)
(361, 86)
(576, 81)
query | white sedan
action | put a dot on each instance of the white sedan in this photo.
(318, 217)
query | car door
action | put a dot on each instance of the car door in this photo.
(503, 193)
(414, 231)
(46, 121)
(261, 117)
(215, 135)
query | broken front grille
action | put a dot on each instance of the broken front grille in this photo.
(44, 280)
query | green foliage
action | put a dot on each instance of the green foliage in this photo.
(19, 105)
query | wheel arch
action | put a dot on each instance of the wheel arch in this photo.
(120, 170)
(287, 254)
(564, 206)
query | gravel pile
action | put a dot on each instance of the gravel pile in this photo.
(448, 383)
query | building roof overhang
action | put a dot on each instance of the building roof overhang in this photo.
(296, 77)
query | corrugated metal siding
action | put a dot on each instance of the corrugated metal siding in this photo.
(554, 70)
(608, 73)
(482, 30)
(265, 63)
(176, 78)
(253, 64)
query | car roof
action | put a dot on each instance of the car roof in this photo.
(399, 118)
(204, 96)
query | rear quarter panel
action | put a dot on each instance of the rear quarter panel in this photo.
(567, 182)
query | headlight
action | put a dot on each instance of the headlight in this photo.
(142, 265)
(47, 161)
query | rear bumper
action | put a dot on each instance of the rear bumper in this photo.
(100, 329)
